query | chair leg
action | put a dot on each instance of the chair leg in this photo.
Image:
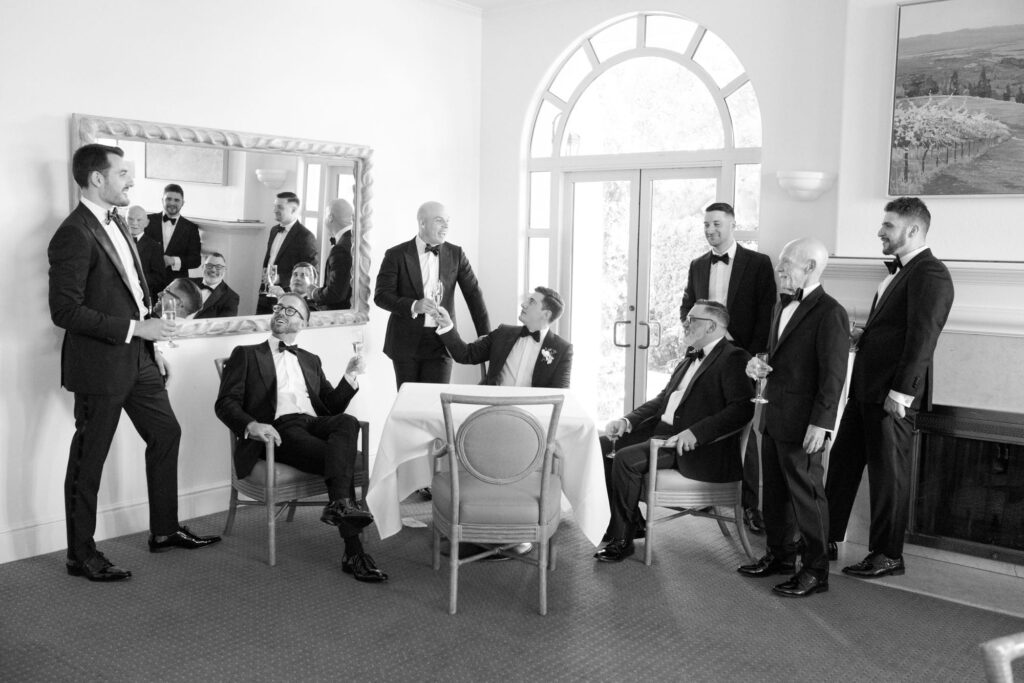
(291, 510)
(453, 579)
(437, 549)
(232, 507)
(271, 533)
(722, 526)
(552, 553)
(649, 539)
(741, 530)
(545, 548)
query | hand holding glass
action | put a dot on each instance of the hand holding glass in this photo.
(271, 278)
(169, 311)
(762, 372)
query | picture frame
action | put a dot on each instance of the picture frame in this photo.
(958, 99)
(182, 163)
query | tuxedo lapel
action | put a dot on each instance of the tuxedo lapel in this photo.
(108, 247)
(773, 334)
(312, 380)
(802, 309)
(701, 369)
(265, 364)
(702, 273)
(739, 264)
(898, 281)
(412, 265)
(214, 297)
(542, 369)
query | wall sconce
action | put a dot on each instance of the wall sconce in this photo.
(805, 186)
(273, 178)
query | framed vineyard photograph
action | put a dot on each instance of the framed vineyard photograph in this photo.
(958, 106)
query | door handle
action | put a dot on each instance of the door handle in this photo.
(656, 326)
(620, 325)
(647, 341)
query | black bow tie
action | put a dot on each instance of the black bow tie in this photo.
(282, 347)
(434, 249)
(203, 285)
(112, 215)
(894, 265)
(333, 241)
(525, 332)
(168, 219)
(715, 258)
(786, 299)
(695, 353)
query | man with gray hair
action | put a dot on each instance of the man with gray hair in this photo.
(150, 254)
(808, 348)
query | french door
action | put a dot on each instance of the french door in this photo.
(631, 236)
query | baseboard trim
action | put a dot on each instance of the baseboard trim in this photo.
(46, 537)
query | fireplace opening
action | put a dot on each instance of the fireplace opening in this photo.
(968, 483)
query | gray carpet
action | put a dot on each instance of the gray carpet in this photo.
(222, 614)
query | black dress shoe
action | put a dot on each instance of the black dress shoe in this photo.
(362, 567)
(639, 533)
(752, 518)
(425, 493)
(182, 538)
(97, 568)
(833, 551)
(767, 566)
(345, 512)
(876, 565)
(802, 585)
(616, 551)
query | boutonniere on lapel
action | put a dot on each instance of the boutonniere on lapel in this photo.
(548, 355)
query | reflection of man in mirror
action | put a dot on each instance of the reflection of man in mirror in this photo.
(408, 284)
(150, 253)
(99, 296)
(290, 243)
(219, 300)
(302, 282)
(185, 294)
(336, 292)
(178, 236)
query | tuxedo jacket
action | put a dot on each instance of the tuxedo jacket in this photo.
(495, 347)
(185, 243)
(715, 407)
(336, 291)
(91, 300)
(248, 392)
(400, 284)
(750, 298)
(896, 349)
(299, 246)
(809, 363)
(222, 302)
(152, 257)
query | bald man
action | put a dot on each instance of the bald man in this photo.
(407, 285)
(808, 351)
(336, 291)
(150, 253)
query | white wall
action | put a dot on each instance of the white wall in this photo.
(402, 76)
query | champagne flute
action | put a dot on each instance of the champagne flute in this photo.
(169, 311)
(762, 359)
(271, 278)
(854, 337)
(357, 343)
(438, 293)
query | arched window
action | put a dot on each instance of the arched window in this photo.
(644, 122)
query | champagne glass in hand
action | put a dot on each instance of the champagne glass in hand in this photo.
(437, 294)
(854, 333)
(169, 311)
(271, 278)
(762, 359)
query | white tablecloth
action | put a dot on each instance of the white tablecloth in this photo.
(403, 465)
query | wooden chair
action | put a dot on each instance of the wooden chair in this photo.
(500, 487)
(668, 488)
(999, 654)
(286, 486)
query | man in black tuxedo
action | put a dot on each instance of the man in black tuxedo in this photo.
(808, 351)
(177, 236)
(407, 284)
(99, 296)
(336, 291)
(890, 383)
(219, 300)
(275, 391)
(741, 279)
(290, 242)
(527, 355)
(701, 413)
(150, 253)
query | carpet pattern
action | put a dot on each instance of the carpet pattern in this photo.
(223, 614)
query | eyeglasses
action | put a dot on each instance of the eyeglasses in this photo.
(215, 268)
(289, 311)
(690, 320)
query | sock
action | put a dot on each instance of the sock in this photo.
(353, 545)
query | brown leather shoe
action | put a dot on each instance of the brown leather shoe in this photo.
(876, 565)
(97, 568)
(802, 585)
(768, 565)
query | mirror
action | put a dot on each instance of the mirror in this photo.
(230, 181)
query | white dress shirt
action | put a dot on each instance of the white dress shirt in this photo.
(275, 246)
(521, 360)
(790, 309)
(718, 282)
(168, 232)
(429, 265)
(124, 253)
(676, 397)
